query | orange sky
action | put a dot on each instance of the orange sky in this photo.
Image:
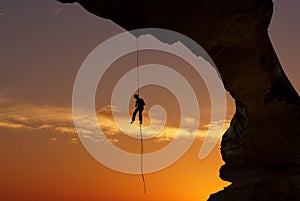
(42, 157)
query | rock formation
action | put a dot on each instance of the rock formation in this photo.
(261, 148)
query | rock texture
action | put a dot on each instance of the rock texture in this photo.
(261, 148)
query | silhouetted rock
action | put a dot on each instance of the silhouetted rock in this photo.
(261, 148)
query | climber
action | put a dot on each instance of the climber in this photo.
(139, 104)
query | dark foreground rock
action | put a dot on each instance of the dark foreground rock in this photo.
(261, 149)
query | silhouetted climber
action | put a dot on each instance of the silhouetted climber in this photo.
(139, 104)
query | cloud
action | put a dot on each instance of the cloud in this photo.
(214, 127)
(2, 14)
(58, 10)
(67, 130)
(108, 109)
(168, 133)
(11, 125)
(16, 115)
(74, 141)
(59, 119)
(53, 139)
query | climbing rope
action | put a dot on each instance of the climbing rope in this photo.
(142, 165)
(141, 134)
(137, 67)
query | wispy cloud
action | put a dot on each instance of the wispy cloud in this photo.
(74, 141)
(168, 133)
(58, 10)
(17, 115)
(59, 119)
(11, 125)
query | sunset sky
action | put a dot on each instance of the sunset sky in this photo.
(43, 44)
